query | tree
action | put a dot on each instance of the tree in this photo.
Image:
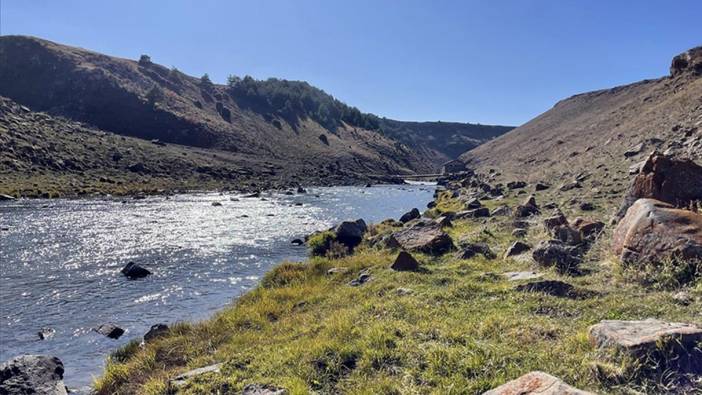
(145, 60)
(206, 82)
(232, 80)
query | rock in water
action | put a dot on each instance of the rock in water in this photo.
(536, 383)
(32, 374)
(46, 333)
(674, 181)
(405, 262)
(110, 330)
(654, 231)
(133, 271)
(6, 197)
(672, 344)
(155, 331)
(410, 215)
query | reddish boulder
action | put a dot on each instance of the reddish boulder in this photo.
(653, 230)
(534, 383)
(674, 181)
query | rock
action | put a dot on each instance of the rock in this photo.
(588, 229)
(653, 231)
(633, 151)
(297, 242)
(683, 298)
(519, 233)
(263, 389)
(404, 291)
(136, 167)
(473, 203)
(520, 276)
(32, 374)
(674, 181)
(427, 239)
(501, 211)
(253, 195)
(155, 331)
(481, 212)
(553, 222)
(301, 190)
(369, 185)
(568, 235)
(110, 330)
(528, 208)
(362, 278)
(431, 204)
(350, 233)
(6, 197)
(337, 270)
(652, 340)
(134, 271)
(444, 221)
(46, 333)
(587, 206)
(183, 378)
(405, 262)
(520, 224)
(410, 215)
(518, 247)
(689, 61)
(536, 383)
(469, 250)
(516, 184)
(556, 253)
(216, 204)
(549, 287)
(540, 186)
(570, 186)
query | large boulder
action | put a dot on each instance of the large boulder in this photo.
(556, 253)
(426, 239)
(32, 374)
(665, 344)
(674, 181)
(688, 61)
(350, 233)
(653, 231)
(134, 271)
(536, 383)
(528, 208)
(410, 215)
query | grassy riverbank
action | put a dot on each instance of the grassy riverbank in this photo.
(457, 326)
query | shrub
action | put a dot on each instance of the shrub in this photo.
(320, 243)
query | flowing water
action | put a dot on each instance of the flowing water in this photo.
(60, 260)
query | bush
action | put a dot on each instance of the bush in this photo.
(320, 243)
(144, 60)
(669, 273)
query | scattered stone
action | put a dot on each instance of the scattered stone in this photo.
(587, 206)
(588, 229)
(673, 181)
(652, 231)
(501, 211)
(518, 247)
(133, 271)
(519, 233)
(520, 276)
(263, 389)
(410, 215)
(350, 233)
(555, 253)
(536, 383)
(337, 270)
(528, 208)
(6, 197)
(216, 204)
(301, 190)
(549, 287)
(683, 297)
(32, 374)
(405, 262)
(427, 239)
(183, 379)
(550, 206)
(516, 184)
(481, 212)
(363, 277)
(253, 195)
(520, 224)
(46, 333)
(633, 151)
(540, 186)
(404, 291)
(471, 249)
(567, 235)
(473, 203)
(110, 330)
(297, 242)
(155, 331)
(570, 186)
(554, 222)
(652, 340)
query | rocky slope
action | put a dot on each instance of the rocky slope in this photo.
(602, 134)
(284, 121)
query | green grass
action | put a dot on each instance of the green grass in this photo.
(463, 329)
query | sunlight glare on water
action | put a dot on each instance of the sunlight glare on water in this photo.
(60, 260)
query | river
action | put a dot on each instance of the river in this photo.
(60, 260)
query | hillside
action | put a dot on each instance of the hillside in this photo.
(285, 121)
(440, 141)
(604, 133)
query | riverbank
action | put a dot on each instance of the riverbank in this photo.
(462, 322)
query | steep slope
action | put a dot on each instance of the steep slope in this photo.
(440, 141)
(44, 155)
(146, 100)
(603, 133)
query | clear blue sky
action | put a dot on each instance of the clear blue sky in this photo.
(476, 61)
